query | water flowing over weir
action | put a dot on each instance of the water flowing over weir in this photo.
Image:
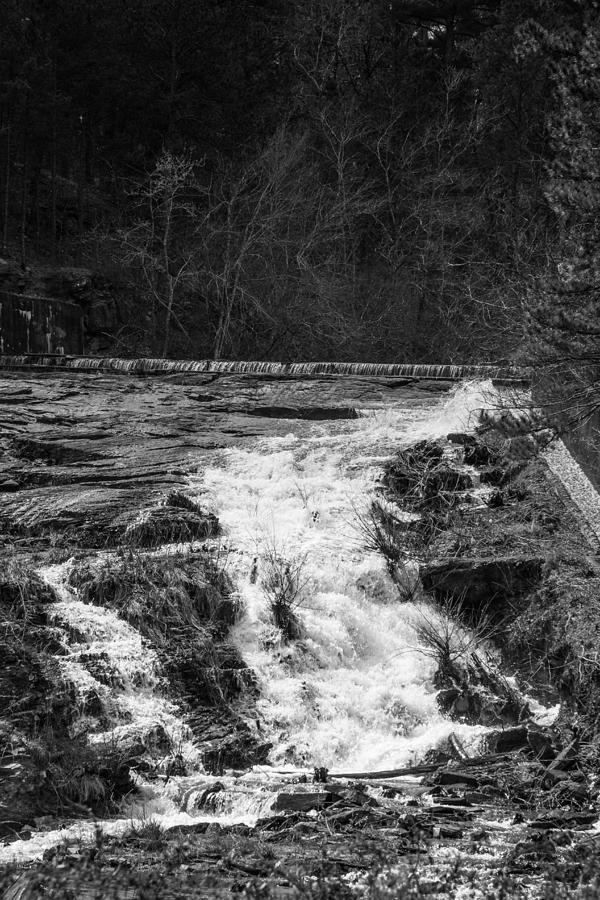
(355, 691)
(148, 366)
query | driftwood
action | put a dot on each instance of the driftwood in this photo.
(420, 770)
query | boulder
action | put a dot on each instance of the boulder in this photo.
(240, 751)
(481, 585)
(300, 802)
(508, 740)
(169, 525)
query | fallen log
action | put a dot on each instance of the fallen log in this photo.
(423, 769)
(388, 773)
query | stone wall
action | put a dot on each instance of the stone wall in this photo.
(39, 325)
(584, 444)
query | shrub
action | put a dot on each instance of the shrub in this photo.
(161, 595)
(383, 532)
(283, 583)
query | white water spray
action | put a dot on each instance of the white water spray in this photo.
(356, 691)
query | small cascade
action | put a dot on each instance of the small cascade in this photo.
(108, 661)
(149, 366)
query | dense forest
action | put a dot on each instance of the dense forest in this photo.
(343, 179)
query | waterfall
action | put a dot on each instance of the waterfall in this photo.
(355, 689)
(149, 366)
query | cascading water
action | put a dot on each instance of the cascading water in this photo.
(135, 694)
(355, 690)
(149, 365)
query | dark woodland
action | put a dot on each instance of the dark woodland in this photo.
(324, 179)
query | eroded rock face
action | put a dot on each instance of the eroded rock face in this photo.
(311, 413)
(481, 586)
(241, 751)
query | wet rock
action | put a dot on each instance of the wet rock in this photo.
(210, 677)
(51, 452)
(92, 703)
(300, 802)
(527, 855)
(481, 585)
(472, 690)
(170, 525)
(100, 667)
(563, 818)
(508, 740)
(544, 742)
(479, 454)
(140, 741)
(453, 777)
(475, 451)
(312, 413)
(9, 486)
(240, 751)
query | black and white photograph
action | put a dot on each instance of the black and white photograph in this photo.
(299, 449)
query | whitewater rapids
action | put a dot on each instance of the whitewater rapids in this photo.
(356, 691)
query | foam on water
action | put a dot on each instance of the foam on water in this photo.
(138, 698)
(357, 690)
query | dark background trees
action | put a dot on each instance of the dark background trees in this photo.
(364, 180)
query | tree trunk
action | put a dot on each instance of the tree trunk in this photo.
(168, 314)
(6, 193)
(168, 214)
(24, 186)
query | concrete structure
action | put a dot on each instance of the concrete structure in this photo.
(39, 325)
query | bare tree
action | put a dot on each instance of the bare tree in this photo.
(158, 243)
(247, 236)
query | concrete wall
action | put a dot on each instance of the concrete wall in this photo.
(584, 444)
(39, 325)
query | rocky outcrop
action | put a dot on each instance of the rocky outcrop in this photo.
(31, 324)
(239, 751)
(481, 586)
